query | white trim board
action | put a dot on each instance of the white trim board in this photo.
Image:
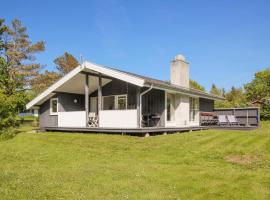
(51, 106)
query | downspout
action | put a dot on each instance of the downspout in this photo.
(143, 93)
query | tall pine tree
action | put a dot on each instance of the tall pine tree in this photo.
(19, 54)
(65, 63)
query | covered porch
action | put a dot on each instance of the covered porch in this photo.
(94, 100)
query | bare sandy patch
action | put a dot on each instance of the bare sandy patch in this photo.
(242, 159)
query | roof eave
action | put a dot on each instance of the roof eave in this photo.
(185, 92)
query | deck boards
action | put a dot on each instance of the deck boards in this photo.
(119, 130)
(144, 130)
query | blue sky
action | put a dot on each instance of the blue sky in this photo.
(226, 42)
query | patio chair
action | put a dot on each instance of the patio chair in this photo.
(232, 120)
(154, 119)
(93, 120)
(222, 120)
(203, 119)
(145, 120)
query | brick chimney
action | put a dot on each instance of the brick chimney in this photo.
(180, 71)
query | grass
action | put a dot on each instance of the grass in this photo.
(29, 118)
(212, 164)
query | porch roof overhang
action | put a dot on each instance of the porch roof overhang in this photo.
(70, 82)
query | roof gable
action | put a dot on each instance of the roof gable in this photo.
(84, 67)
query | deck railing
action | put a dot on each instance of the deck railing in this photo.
(245, 116)
(118, 118)
(71, 119)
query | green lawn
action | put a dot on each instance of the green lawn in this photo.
(198, 165)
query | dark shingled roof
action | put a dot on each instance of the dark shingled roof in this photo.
(167, 85)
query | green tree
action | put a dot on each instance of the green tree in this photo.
(259, 89)
(19, 53)
(10, 103)
(215, 90)
(195, 85)
(17, 70)
(3, 29)
(44, 80)
(236, 97)
(65, 63)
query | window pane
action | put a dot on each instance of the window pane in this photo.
(168, 108)
(193, 108)
(122, 102)
(54, 105)
(108, 103)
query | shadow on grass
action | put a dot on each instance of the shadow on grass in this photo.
(10, 133)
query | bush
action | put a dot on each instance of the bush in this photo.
(265, 112)
(9, 108)
(7, 133)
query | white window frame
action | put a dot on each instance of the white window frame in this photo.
(51, 111)
(172, 107)
(196, 110)
(115, 100)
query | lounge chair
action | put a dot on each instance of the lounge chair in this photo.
(232, 120)
(222, 120)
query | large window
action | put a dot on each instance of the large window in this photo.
(170, 107)
(117, 102)
(54, 106)
(108, 103)
(193, 109)
(121, 102)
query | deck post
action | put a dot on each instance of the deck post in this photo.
(138, 100)
(99, 96)
(247, 119)
(86, 96)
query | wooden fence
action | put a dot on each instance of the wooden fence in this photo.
(245, 116)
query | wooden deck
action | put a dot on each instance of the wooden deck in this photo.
(142, 131)
(139, 131)
(240, 128)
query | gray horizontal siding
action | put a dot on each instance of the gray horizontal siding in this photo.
(66, 102)
(45, 119)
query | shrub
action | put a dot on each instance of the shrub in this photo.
(265, 112)
(7, 133)
(9, 108)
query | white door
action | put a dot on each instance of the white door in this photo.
(93, 104)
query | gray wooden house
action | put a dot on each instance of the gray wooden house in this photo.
(95, 97)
